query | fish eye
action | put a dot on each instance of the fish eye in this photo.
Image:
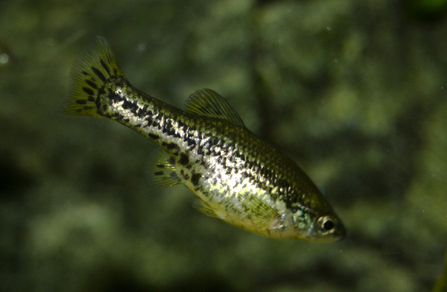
(326, 224)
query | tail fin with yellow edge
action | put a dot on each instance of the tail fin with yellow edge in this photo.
(89, 76)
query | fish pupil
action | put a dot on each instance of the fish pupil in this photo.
(328, 225)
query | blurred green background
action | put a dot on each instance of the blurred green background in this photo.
(354, 91)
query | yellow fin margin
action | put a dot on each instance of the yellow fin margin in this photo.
(89, 74)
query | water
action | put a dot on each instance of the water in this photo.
(78, 215)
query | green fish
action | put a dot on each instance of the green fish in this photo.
(237, 177)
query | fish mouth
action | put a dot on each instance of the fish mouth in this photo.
(341, 232)
(341, 236)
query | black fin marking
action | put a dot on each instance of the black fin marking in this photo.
(89, 75)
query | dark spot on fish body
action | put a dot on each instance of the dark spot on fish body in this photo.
(159, 173)
(214, 141)
(153, 136)
(191, 142)
(184, 160)
(113, 96)
(148, 123)
(169, 130)
(141, 113)
(91, 99)
(173, 148)
(195, 178)
(127, 104)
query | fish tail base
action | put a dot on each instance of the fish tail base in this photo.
(90, 76)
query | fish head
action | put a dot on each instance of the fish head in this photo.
(326, 227)
(313, 220)
(306, 224)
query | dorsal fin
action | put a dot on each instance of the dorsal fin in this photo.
(207, 102)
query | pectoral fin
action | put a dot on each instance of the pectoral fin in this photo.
(163, 170)
(203, 207)
(259, 208)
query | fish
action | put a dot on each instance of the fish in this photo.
(236, 176)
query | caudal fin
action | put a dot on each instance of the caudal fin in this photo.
(89, 75)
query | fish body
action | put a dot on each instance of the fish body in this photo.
(236, 176)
